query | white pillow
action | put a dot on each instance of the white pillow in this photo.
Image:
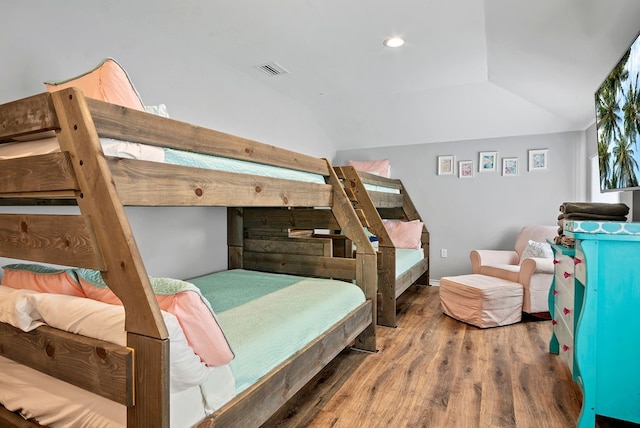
(536, 249)
(17, 310)
(106, 322)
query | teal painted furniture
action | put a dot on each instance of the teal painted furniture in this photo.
(606, 354)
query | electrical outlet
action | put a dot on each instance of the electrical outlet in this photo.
(443, 252)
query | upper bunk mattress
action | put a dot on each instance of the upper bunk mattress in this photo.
(130, 150)
(268, 317)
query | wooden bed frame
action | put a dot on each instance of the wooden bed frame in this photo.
(372, 207)
(100, 238)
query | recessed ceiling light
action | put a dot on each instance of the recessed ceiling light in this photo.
(393, 42)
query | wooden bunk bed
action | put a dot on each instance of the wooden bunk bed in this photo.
(100, 238)
(389, 201)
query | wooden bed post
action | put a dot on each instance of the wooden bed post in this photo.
(123, 269)
(235, 237)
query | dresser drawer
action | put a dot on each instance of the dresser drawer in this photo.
(565, 341)
(564, 305)
(580, 266)
(564, 271)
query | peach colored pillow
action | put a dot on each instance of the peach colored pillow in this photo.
(203, 333)
(42, 278)
(377, 167)
(404, 234)
(106, 82)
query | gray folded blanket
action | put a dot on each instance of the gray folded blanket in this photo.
(615, 210)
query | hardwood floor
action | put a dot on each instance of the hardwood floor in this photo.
(433, 371)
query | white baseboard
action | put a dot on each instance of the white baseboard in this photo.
(435, 282)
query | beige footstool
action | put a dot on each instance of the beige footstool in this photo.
(481, 300)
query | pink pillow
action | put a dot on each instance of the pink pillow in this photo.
(377, 167)
(106, 82)
(404, 234)
(42, 278)
(201, 329)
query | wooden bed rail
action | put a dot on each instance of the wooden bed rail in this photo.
(96, 366)
(117, 122)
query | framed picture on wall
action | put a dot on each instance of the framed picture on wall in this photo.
(509, 166)
(487, 161)
(446, 165)
(465, 169)
(538, 160)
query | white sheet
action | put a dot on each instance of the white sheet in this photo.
(129, 150)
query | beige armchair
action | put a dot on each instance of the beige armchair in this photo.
(534, 273)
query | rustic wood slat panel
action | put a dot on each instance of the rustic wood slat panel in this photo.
(303, 246)
(290, 219)
(59, 239)
(392, 213)
(328, 267)
(27, 116)
(144, 183)
(392, 183)
(256, 404)
(386, 200)
(254, 233)
(131, 125)
(96, 366)
(97, 198)
(38, 174)
(152, 382)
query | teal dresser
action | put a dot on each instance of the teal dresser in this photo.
(600, 334)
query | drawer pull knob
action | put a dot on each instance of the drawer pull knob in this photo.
(555, 262)
(565, 348)
(554, 322)
(555, 292)
(577, 261)
(566, 311)
(567, 275)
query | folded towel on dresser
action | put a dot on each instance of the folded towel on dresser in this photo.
(593, 211)
(595, 208)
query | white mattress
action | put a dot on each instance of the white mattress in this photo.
(129, 150)
(382, 189)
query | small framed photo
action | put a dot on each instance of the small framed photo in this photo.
(488, 161)
(538, 160)
(465, 169)
(509, 166)
(446, 165)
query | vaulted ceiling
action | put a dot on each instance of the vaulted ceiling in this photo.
(469, 69)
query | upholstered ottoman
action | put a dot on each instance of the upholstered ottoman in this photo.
(481, 300)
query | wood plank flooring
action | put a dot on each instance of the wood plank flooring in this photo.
(433, 371)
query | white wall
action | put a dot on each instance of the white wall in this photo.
(71, 37)
(488, 210)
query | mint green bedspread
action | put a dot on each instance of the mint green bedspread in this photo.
(268, 317)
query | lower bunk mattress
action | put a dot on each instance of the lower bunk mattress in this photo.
(266, 318)
(406, 258)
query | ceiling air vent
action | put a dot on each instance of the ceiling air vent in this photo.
(272, 69)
